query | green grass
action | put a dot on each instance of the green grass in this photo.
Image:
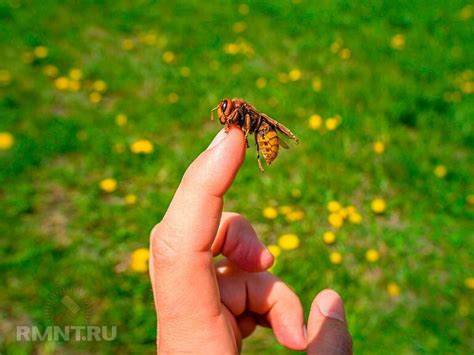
(60, 232)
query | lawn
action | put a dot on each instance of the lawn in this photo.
(103, 105)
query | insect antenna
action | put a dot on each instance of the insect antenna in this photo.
(212, 112)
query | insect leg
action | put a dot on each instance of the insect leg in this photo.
(247, 123)
(258, 155)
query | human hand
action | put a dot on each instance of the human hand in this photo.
(209, 308)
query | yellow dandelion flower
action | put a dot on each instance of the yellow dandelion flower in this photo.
(452, 96)
(149, 38)
(128, 44)
(5, 77)
(397, 41)
(173, 98)
(121, 120)
(51, 71)
(315, 121)
(355, 218)
(378, 205)
(294, 216)
(317, 84)
(378, 147)
(440, 171)
(75, 74)
(40, 52)
(372, 255)
(74, 85)
(231, 48)
(82, 135)
(185, 72)
(331, 123)
(244, 9)
(142, 146)
(467, 74)
(466, 12)
(108, 185)
(169, 57)
(351, 209)
(95, 97)
(99, 86)
(247, 49)
(467, 87)
(261, 83)
(283, 78)
(393, 289)
(6, 140)
(335, 46)
(61, 83)
(295, 74)
(239, 27)
(333, 206)
(275, 250)
(345, 53)
(289, 241)
(139, 260)
(285, 209)
(469, 282)
(329, 237)
(464, 309)
(130, 199)
(470, 199)
(270, 212)
(296, 193)
(343, 212)
(335, 220)
(335, 258)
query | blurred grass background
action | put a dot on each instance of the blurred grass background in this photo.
(103, 104)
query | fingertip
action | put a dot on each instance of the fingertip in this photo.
(217, 166)
(266, 259)
(234, 144)
(294, 338)
(227, 155)
(329, 304)
(327, 327)
(234, 138)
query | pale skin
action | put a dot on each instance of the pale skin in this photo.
(208, 307)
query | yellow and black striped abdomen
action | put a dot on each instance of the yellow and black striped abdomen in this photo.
(268, 142)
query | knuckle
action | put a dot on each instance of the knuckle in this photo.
(164, 251)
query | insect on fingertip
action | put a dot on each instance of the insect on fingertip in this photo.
(240, 113)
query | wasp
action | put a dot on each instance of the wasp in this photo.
(240, 113)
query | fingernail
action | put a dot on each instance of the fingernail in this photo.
(330, 304)
(217, 139)
(267, 258)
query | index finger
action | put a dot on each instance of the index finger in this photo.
(195, 211)
(181, 260)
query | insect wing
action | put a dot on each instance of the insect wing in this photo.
(280, 127)
(283, 144)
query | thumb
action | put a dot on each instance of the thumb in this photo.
(327, 328)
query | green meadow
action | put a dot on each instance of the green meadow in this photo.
(103, 105)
